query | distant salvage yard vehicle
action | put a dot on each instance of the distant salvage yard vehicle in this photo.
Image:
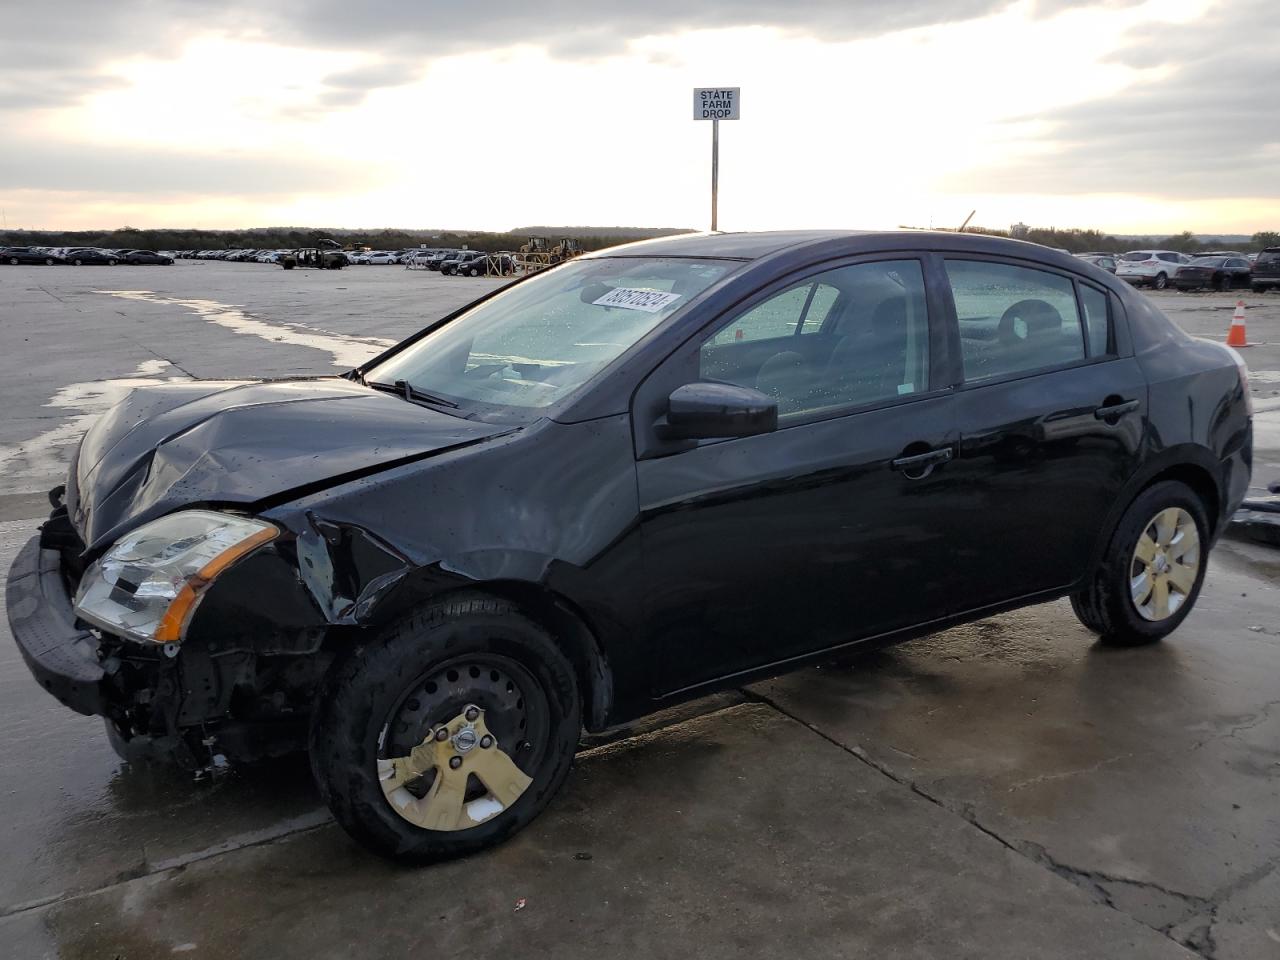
(136, 257)
(17, 255)
(1266, 270)
(1154, 267)
(728, 456)
(90, 255)
(1217, 273)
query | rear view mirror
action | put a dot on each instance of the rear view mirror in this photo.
(710, 411)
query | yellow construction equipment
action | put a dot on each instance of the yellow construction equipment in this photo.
(565, 249)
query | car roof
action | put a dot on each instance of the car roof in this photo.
(743, 246)
(757, 245)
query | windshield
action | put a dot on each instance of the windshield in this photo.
(544, 338)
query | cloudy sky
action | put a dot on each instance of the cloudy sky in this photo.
(1128, 116)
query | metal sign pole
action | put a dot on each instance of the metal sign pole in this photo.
(715, 170)
(716, 104)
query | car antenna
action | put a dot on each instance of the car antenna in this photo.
(967, 219)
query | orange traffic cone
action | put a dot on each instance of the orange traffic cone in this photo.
(1236, 336)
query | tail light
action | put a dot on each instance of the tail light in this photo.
(1243, 370)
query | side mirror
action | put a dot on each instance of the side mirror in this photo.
(711, 411)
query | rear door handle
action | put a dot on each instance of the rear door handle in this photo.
(1114, 411)
(920, 465)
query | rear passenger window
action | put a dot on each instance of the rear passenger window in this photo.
(1097, 322)
(1013, 319)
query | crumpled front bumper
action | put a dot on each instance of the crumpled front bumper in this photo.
(62, 656)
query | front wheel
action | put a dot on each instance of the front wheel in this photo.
(1225, 283)
(448, 732)
(1160, 282)
(111, 263)
(1153, 569)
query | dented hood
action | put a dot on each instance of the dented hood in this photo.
(177, 445)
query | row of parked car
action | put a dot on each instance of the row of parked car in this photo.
(1215, 269)
(446, 260)
(81, 256)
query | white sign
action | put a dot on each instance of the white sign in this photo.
(716, 103)
(630, 298)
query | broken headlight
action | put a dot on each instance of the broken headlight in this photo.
(150, 582)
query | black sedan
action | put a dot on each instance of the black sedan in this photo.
(485, 265)
(136, 257)
(17, 255)
(462, 262)
(90, 255)
(1217, 273)
(623, 482)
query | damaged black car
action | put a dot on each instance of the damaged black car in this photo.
(624, 482)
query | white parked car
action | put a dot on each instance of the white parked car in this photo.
(1153, 267)
(382, 256)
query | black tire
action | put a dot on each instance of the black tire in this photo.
(1105, 605)
(366, 696)
(1226, 282)
(1160, 282)
(474, 272)
(48, 261)
(77, 263)
(111, 263)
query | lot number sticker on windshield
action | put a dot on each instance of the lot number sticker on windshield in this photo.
(629, 298)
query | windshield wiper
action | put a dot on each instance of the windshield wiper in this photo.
(411, 393)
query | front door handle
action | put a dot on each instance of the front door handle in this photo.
(1114, 411)
(920, 465)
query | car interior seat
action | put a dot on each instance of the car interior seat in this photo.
(785, 378)
(1030, 333)
(870, 362)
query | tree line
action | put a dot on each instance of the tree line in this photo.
(1091, 241)
(273, 238)
(591, 238)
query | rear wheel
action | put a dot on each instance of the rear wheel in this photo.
(448, 733)
(1160, 282)
(1225, 283)
(48, 261)
(1153, 569)
(78, 263)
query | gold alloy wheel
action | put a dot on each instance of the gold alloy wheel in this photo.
(1166, 562)
(455, 751)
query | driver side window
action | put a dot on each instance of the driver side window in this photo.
(850, 336)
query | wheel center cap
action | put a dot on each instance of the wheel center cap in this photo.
(1161, 563)
(465, 739)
